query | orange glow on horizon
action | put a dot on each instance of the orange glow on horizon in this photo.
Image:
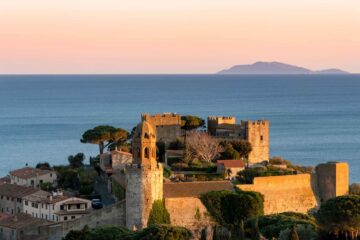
(162, 36)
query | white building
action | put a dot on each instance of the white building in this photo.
(29, 176)
(55, 207)
(40, 204)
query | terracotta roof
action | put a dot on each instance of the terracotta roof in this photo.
(21, 220)
(4, 216)
(55, 199)
(5, 180)
(12, 190)
(39, 196)
(232, 163)
(194, 189)
(28, 172)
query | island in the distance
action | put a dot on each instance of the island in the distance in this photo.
(276, 68)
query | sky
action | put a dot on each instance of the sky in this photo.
(175, 36)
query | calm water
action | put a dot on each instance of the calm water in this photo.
(313, 118)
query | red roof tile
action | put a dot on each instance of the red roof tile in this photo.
(232, 163)
(194, 189)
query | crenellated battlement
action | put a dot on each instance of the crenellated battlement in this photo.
(163, 119)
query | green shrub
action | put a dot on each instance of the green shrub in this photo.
(118, 191)
(247, 176)
(272, 225)
(158, 214)
(163, 232)
(231, 208)
(108, 232)
(340, 216)
(166, 172)
(230, 153)
(305, 232)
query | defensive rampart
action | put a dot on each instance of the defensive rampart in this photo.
(295, 193)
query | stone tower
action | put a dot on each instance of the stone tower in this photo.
(333, 179)
(144, 177)
(257, 134)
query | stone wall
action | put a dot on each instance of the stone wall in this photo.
(188, 212)
(164, 119)
(257, 134)
(295, 193)
(333, 179)
(144, 186)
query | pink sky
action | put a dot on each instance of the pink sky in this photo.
(175, 36)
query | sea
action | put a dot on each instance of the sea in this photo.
(313, 118)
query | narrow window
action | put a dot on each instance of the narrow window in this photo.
(146, 152)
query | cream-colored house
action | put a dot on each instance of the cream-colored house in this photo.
(33, 177)
(230, 167)
(55, 207)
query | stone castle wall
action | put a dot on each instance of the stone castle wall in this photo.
(296, 193)
(257, 134)
(144, 186)
(164, 119)
(188, 212)
(168, 126)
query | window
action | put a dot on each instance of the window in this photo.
(65, 218)
(78, 206)
(50, 174)
(146, 152)
(32, 182)
(26, 203)
(53, 217)
(62, 207)
(72, 217)
(261, 138)
(41, 181)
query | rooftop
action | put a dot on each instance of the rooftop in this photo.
(28, 172)
(20, 221)
(232, 163)
(194, 189)
(12, 190)
(5, 180)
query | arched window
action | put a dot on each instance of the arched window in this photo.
(146, 135)
(146, 152)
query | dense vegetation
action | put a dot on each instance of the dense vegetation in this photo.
(247, 175)
(232, 209)
(105, 136)
(158, 214)
(272, 225)
(155, 232)
(340, 217)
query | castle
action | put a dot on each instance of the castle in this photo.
(255, 132)
(142, 183)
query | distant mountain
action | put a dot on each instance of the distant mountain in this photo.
(275, 68)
